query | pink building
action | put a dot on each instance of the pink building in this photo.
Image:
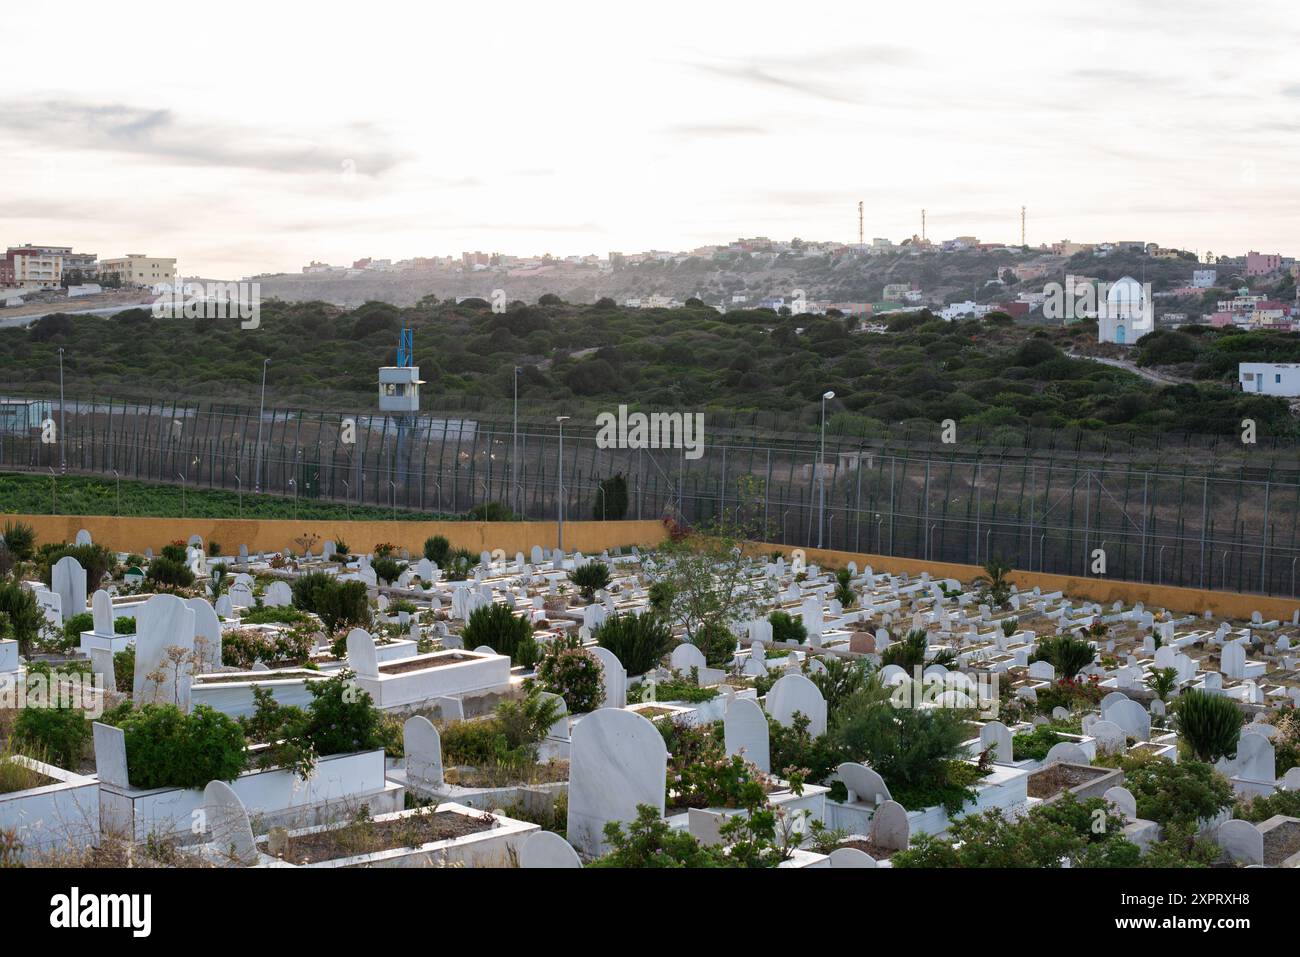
(1220, 319)
(1259, 264)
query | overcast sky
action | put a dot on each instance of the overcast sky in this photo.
(257, 136)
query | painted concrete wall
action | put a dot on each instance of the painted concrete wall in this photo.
(128, 534)
(1100, 590)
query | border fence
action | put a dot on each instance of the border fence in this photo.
(1198, 511)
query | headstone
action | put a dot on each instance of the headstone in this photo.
(110, 755)
(890, 828)
(227, 821)
(613, 676)
(83, 538)
(1124, 802)
(207, 632)
(794, 693)
(68, 578)
(101, 606)
(997, 736)
(1242, 841)
(851, 857)
(1066, 751)
(865, 785)
(278, 595)
(617, 760)
(1111, 738)
(1130, 716)
(423, 747)
(361, 653)
(687, 656)
(546, 849)
(745, 732)
(101, 664)
(164, 623)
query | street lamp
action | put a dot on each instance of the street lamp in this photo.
(54, 493)
(118, 478)
(261, 410)
(821, 472)
(63, 461)
(514, 444)
(239, 492)
(182, 478)
(559, 482)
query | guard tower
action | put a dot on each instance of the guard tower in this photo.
(399, 399)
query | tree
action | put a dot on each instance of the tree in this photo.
(638, 641)
(589, 577)
(611, 499)
(19, 609)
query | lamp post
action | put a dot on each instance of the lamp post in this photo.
(559, 480)
(118, 480)
(239, 492)
(514, 446)
(821, 473)
(54, 493)
(63, 461)
(182, 478)
(261, 410)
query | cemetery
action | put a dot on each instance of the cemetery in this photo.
(700, 701)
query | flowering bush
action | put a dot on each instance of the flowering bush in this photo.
(572, 672)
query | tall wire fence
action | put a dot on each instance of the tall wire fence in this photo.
(1200, 511)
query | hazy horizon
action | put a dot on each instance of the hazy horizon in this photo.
(393, 132)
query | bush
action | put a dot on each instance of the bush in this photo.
(1175, 795)
(342, 718)
(506, 633)
(124, 669)
(1067, 655)
(168, 571)
(589, 577)
(123, 625)
(913, 749)
(59, 735)
(307, 590)
(243, 649)
(436, 550)
(19, 609)
(344, 605)
(660, 596)
(490, 512)
(508, 737)
(460, 562)
(20, 540)
(572, 672)
(387, 570)
(95, 559)
(716, 642)
(1045, 837)
(1208, 724)
(74, 626)
(785, 627)
(638, 641)
(167, 748)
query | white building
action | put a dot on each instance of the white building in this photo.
(967, 308)
(1270, 378)
(1127, 314)
(1204, 278)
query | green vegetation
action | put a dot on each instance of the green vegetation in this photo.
(167, 748)
(638, 641)
(590, 577)
(978, 373)
(81, 495)
(570, 671)
(1066, 654)
(1209, 725)
(785, 627)
(506, 633)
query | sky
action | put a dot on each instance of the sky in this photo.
(251, 137)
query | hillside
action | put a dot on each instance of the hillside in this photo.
(991, 373)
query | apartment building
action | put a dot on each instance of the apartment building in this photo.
(137, 269)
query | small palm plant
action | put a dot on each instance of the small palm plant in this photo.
(994, 586)
(589, 577)
(1163, 682)
(1208, 724)
(1068, 655)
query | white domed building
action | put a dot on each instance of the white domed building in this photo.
(1127, 314)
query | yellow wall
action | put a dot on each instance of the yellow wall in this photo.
(127, 534)
(1100, 590)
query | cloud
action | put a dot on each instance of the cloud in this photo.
(713, 130)
(165, 135)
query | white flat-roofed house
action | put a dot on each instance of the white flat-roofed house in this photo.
(1270, 378)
